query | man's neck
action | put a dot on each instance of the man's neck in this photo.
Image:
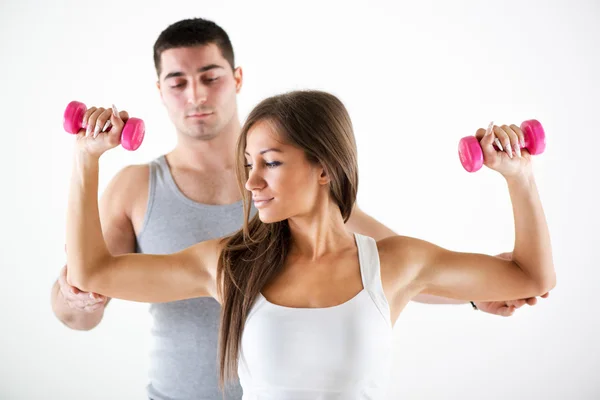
(206, 155)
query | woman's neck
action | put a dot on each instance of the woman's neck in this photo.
(319, 233)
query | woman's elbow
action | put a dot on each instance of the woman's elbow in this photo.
(546, 282)
(549, 283)
(77, 277)
(541, 277)
(84, 279)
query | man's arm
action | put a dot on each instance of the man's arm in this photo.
(77, 309)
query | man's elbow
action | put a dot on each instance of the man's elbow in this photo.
(83, 323)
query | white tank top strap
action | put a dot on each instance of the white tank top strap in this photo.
(371, 276)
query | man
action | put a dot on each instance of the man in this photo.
(187, 196)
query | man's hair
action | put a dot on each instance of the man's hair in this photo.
(193, 32)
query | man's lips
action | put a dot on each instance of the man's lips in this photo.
(199, 115)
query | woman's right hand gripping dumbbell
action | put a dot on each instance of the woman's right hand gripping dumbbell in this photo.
(101, 130)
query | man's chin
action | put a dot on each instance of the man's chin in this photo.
(202, 134)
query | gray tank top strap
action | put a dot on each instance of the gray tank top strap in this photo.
(153, 167)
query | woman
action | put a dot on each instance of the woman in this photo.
(307, 307)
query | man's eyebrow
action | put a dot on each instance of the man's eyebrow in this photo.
(199, 70)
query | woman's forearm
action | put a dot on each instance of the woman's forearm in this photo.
(86, 249)
(533, 251)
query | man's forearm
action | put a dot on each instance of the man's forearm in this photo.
(72, 318)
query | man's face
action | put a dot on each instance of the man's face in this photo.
(199, 88)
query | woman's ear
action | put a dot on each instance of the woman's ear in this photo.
(323, 175)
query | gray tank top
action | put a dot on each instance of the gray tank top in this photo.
(183, 359)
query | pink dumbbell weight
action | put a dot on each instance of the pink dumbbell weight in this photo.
(471, 154)
(131, 137)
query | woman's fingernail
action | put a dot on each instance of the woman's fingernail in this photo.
(490, 128)
(518, 151)
(115, 112)
(509, 150)
(497, 141)
(106, 126)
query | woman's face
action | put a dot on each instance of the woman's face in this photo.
(283, 182)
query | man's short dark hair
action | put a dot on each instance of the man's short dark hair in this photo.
(193, 32)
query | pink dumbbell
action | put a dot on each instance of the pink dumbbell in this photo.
(131, 137)
(471, 154)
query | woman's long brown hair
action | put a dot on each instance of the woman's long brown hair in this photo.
(318, 123)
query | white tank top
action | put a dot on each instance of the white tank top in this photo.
(339, 352)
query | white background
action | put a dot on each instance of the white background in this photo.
(416, 77)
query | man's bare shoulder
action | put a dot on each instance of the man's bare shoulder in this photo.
(134, 174)
(128, 184)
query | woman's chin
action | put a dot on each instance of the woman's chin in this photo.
(268, 217)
